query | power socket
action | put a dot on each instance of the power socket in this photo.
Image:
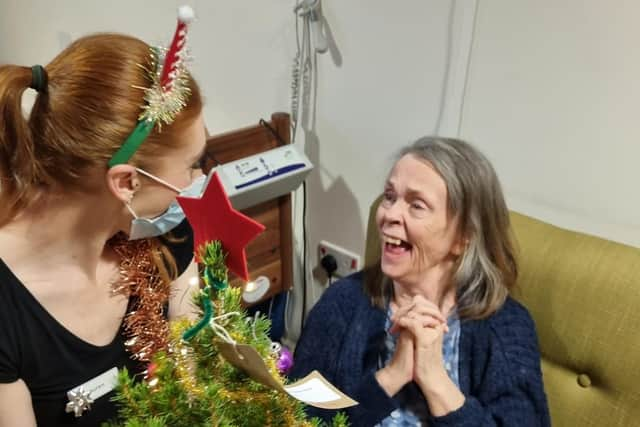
(348, 262)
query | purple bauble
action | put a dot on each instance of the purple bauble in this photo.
(285, 360)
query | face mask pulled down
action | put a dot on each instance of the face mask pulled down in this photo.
(142, 228)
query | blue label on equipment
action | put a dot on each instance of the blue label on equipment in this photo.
(272, 174)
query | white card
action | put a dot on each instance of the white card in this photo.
(316, 391)
(312, 391)
(100, 385)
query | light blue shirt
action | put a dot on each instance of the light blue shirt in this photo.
(412, 408)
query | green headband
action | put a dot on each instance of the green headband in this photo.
(132, 143)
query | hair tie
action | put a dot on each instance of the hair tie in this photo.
(38, 78)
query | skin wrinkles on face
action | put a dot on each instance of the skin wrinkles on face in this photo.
(415, 209)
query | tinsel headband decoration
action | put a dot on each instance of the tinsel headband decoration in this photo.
(169, 90)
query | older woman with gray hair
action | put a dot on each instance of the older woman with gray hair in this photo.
(430, 336)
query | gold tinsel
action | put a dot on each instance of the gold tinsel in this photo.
(163, 106)
(184, 360)
(145, 324)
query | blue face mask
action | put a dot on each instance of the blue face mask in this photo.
(142, 228)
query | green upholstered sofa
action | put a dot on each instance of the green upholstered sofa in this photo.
(584, 295)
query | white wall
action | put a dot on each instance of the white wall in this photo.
(401, 77)
(549, 96)
(552, 98)
(242, 50)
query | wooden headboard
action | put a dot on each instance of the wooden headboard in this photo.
(271, 253)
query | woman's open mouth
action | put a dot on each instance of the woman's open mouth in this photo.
(394, 246)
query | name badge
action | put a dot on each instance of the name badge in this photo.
(82, 396)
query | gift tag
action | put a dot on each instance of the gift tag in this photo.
(246, 358)
(313, 389)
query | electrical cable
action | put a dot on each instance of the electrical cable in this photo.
(273, 132)
(303, 51)
(304, 253)
(468, 68)
(295, 79)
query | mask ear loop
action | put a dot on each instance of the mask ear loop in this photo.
(128, 205)
(160, 180)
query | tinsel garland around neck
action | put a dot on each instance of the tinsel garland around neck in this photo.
(145, 324)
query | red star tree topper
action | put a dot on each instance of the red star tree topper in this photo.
(212, 217)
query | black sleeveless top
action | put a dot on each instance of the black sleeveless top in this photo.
(51, 360)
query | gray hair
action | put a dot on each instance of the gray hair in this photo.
(487, 269)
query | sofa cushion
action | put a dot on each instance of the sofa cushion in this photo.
(584, 294)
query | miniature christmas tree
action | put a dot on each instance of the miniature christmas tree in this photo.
(191, 384)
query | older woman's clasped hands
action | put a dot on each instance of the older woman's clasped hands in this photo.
(425, 325)
(420, 327)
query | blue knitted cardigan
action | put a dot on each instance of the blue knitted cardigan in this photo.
(499, 365)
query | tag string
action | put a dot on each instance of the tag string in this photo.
(220, 331)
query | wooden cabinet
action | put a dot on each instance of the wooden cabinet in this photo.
(270, 254)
